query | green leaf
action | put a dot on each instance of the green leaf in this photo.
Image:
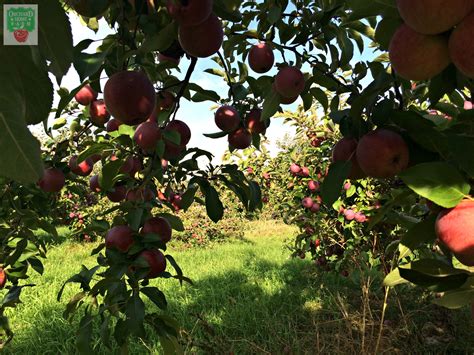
(24, 73)
(255, 200)
(21, 157)
(270, 105)
(66, 98)
(456, 299)
(321, 97)
(434, 275)
(458, 146)
(420, 129)
(438, 182)
(59, 123)
(175, 221)
(332, 185)
(156, 296)
(160, 40)
(215, 135)
(97, 148)
(385, 31)
(420, 233)
(273, 14)
(214, 207)
(87, 64)
(109, 171)
(13, 296)
(202, 94)
(442, 84)
(135, 312)
(55, 38)
(393, 279)
(84, 335)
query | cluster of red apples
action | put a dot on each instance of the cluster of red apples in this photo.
(309, 203)
(435, 33)
(289, 83)
(122, 238)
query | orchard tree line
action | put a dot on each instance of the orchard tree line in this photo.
(399, 125)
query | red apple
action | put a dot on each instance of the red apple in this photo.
(360, 217)
(315, 207)
(415, 56)
(118, 193)
(173, 151)
(155, 260)
(147, 136)
(140, 195)
(94, 183)
(240, 139)
(3, 278)
(159, 226)
(183, 130)
(130, 97)
(313, 185)
(345, 150)
(288, 100)
(295, 169)
(113, 125)
(164, 164)
(189, 12)
(289, 82)
(433, 16)
(461, 48)
(202, 40)
(227, 118)
(307, 202)
(119, 238)
(99, 113)
(131, 166)
(82, 169)
(86, 95)
(349, 214)
(52, 180)
(455, 229)
(382, 153)
(261, 57)
(253, 122)
(304, 172)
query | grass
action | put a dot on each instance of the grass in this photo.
(247, 298)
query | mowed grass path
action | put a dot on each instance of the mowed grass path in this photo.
(248, 297)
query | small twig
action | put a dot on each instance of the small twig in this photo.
(229, 78)
(385, 304)
(398, 93)
(184, 84)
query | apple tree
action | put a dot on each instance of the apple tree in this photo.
(123, 117)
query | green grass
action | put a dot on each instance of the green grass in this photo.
(249, 297)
